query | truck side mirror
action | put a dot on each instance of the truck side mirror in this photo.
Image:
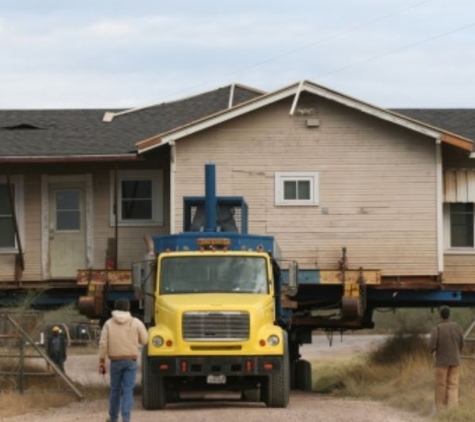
(293, 285)
(137, 274)
(143, 282)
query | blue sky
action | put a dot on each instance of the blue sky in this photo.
(117, 53)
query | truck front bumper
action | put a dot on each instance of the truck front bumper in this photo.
(231, 366)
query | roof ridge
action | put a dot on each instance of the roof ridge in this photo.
(109, 116)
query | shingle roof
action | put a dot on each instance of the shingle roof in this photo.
(54, 133)
(458, 121)
(37, 133)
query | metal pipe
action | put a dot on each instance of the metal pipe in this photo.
(116, 216)
(210, 197)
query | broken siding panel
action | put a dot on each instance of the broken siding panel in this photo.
(450, 189)
(377, 185)
(471, 186)
(461, 186)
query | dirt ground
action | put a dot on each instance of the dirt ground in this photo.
(303, 407)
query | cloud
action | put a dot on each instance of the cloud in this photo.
(113, 53)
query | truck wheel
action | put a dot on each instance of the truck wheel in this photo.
(251, 396)
(153, 389)
(277, 387)
(304, 375)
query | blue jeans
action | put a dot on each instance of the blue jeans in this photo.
(122, 388)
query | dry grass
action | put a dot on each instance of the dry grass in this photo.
(40, 392)
(400, 373)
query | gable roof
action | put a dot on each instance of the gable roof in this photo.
(294, 90)
(82, 133)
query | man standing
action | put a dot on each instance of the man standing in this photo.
(446, 342)
(120, 340)
(57, 347)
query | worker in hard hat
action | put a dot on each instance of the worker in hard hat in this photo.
(57, 347)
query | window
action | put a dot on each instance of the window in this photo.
(7, 225)
(140, 197)
(296, 188)
(461, 225)
(68, 210)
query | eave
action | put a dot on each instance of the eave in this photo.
(71, 159)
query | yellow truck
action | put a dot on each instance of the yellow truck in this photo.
(210, 303)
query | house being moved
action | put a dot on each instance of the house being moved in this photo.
(319, 170)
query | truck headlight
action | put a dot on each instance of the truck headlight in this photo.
(273, 340)
(157, 341)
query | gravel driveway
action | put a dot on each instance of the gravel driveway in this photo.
(303, 407)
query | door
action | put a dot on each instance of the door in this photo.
(67, 229)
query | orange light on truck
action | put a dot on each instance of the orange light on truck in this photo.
(216, 241)
(262, 342)
(169, 343)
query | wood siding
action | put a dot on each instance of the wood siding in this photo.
(377, 184)
(131, 243)
(459, 269)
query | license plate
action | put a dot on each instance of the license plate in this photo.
(216, 379)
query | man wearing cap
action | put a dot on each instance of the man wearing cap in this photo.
(57, 347)
(446, 342)
(120, 339)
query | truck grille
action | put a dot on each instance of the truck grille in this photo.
(215, 326)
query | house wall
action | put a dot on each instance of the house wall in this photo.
(459, 267)
(377, 184)
(131, 243)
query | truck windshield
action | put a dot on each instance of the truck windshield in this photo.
(212, 274)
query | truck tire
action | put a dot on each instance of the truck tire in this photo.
(153, 389)
(304, 375)
(277, 388)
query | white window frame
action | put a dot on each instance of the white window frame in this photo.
(283, 176)
(17, 181)
(156, 177)
(448, 235)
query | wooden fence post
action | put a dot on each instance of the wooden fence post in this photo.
(22, 365)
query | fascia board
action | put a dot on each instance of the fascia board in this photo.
(371, 110)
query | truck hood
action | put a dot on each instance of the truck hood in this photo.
(214, 301)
